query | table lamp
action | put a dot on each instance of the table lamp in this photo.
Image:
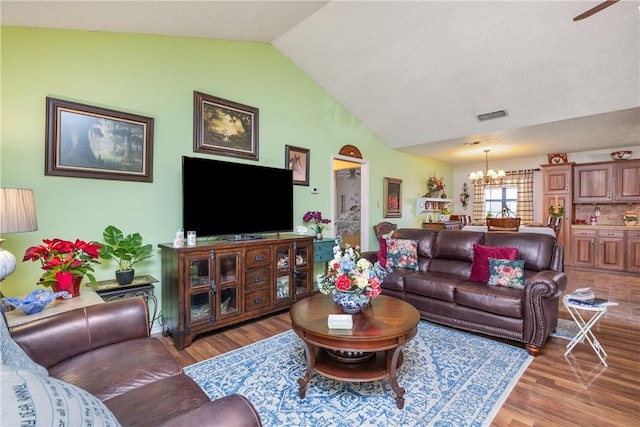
(17, 215)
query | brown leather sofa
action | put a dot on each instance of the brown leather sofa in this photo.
(441, 292)
(107, 350)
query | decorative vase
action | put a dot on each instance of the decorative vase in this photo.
(319, 236)
(73, 290)
(437, 194)
(351, 302)
(630, 218)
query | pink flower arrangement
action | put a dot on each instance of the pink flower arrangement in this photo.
(316, 217)
(349, 272)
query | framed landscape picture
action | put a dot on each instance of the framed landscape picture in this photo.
(224, 127)
(85, 141)
(392, 198)
(297, 159)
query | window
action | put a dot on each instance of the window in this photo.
(514, 192)
(498, 198)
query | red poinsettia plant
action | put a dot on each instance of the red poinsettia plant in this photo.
(63, 260)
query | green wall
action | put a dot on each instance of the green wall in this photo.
(155, 76)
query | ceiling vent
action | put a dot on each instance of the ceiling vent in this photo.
(492, 115)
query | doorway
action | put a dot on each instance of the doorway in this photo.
(350, 200)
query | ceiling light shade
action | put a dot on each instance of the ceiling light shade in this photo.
(488, 176)
(17, 215)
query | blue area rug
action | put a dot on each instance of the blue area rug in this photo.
(451, 379)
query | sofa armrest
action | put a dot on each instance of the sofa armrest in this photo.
(229, 411)
(51, 340)
(541, 295)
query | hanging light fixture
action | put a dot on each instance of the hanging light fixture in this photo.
(488, 176)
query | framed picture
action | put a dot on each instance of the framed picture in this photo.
(224, 127)
(84, 141)
(297, 159)
(392, 198)
(557, 158)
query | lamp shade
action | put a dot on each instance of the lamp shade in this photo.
(17, 211)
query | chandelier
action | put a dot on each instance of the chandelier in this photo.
(488, 176)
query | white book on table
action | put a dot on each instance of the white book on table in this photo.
(340, 321)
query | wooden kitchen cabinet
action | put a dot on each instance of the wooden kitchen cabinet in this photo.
(607, 182)
(583, 248)
(603, 249)
(610, 250)
(557, 178)
(557, 181)
(593, 182)
(633, 251)
(627, 181)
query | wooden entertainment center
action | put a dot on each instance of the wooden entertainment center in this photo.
(218, 283)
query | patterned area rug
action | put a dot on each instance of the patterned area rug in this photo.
(451, 379)
(566, 329)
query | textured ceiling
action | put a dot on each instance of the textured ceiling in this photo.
(418, 72)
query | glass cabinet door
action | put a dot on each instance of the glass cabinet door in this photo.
(283, 272)
(199, 307)
(302, 270)
(227, 267)
(199, 272)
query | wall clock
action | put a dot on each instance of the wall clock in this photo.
(557, 158)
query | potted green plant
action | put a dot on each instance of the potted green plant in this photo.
(126, 250)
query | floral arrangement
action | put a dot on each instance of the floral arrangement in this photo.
(61, 260)
(349, 272)
(556, 211)
(435, 184)
(316, 217)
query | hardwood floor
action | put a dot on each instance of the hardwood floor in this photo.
(555, 390)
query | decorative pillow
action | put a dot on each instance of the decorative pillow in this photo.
(382, 252)
(14, 355)
(402, 253)
(508, 273)
(31, 399)
(481, 255)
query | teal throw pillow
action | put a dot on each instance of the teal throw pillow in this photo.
(508, 273)
(402, 253)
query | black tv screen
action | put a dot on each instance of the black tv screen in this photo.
(234, 199)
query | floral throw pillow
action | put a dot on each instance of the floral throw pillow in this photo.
(508, 273)
(402, 253)
(481, 255)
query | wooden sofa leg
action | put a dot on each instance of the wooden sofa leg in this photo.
(533, 350)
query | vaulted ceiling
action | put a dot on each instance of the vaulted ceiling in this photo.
(417, 73)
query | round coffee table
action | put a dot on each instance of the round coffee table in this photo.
(371, 350)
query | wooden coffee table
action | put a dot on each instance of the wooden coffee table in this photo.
(371, 350)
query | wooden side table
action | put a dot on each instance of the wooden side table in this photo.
(88, 296)
(142, 286)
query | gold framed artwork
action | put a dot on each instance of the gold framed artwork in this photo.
(86, 141)
(392, 198)
(224, 127)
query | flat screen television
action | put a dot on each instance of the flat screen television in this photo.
(235, 200)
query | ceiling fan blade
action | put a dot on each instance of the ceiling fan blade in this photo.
(596, 9)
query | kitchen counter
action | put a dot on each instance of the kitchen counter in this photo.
(604, 227)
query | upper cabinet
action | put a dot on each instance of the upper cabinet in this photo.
(607, 182)
(627, 181)
(557, 178)
(593, 183)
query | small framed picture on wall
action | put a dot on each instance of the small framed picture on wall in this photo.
(392, 198)
(297, 159)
